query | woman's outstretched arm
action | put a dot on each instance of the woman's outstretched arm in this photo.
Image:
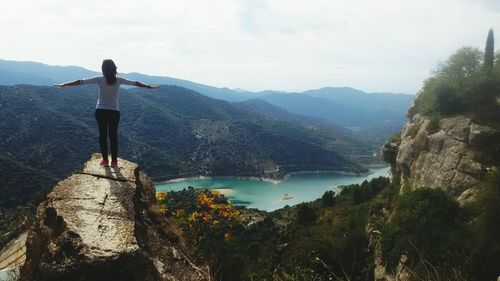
(139, 84)
(92, 80)
(125, 81)
(72, 83)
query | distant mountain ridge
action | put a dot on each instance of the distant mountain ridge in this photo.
(354, 98)
(375, 114)
(35, 73)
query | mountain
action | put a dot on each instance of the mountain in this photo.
(34, 73)
(27, 72)
(363, 144)
(21, 184)
(209, 91)
(369, 102)
(171, 131)
(377, 114)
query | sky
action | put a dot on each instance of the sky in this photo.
(289, 45)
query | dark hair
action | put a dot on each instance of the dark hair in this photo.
(109, 71)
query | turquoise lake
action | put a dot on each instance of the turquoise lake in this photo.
(269, 196)
(3, 275)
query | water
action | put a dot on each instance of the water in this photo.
(269, 196)
(4, 274)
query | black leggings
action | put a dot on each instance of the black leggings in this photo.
(108, 119)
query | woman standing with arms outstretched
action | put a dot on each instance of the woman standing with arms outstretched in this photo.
(107, 111)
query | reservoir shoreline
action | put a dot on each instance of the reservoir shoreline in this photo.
(269, 194)
(270, 180)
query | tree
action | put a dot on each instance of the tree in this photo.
(496, 66)
(305, 214)
(489, 52)
(328, 198)
(460, 66)
(450, 83)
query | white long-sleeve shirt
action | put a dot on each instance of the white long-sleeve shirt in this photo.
(108, 94)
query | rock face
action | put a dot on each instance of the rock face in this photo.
(443, 155)
(96, 225)
(453, 154)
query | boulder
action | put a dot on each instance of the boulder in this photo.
(96, 225)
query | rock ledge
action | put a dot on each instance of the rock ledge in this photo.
(445, 157)
(95, 225)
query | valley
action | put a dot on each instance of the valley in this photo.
(269, 196)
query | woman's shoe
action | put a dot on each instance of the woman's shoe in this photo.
(114, 163)
(104, 163)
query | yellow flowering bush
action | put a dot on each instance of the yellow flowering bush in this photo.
(201, 213)
(160, 197)
(160, 207)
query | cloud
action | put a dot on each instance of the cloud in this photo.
(252, 44)
(493, 5)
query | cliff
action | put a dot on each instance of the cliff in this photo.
(448, 154)
(453, 153)
(97, 225)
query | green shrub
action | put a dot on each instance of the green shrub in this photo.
(448, 240)
(447, 100)
(483, 90)
(426, 227)
(485, 239)
(321, 243)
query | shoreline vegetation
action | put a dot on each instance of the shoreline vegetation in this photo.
(273, 181)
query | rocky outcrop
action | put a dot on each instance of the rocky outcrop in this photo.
(444, 154)
(96, 225)
(14, 253)
(377, 218)
(453, 154)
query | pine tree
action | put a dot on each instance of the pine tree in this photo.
(489, 51)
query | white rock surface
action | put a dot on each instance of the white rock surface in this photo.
(96, 225)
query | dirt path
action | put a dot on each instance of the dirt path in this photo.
(14, 253)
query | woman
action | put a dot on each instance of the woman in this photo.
(107, 111)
